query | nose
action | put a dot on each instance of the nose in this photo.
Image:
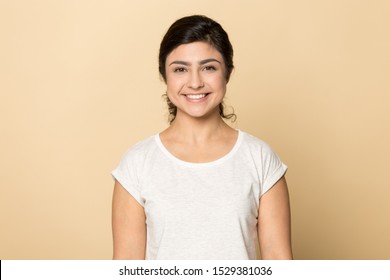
(195, 80)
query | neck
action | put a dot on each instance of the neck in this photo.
(198, 130)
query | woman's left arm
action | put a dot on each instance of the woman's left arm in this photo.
(274, 223)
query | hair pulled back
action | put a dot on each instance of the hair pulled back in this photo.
(196, 28)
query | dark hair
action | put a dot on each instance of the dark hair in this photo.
(191, 29)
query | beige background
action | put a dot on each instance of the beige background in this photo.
(79, 85)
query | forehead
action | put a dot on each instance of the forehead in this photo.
(194, 52)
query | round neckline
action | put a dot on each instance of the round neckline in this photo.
(200, 164)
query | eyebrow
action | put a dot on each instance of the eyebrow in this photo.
(200, 62)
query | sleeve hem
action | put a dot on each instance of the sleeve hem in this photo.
(271, 181)
(129, 188)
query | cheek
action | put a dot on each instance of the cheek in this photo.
(218, 82)
(173, 83)
(171, 87)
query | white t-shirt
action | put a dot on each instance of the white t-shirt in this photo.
(200, 210)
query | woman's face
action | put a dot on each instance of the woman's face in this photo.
(196, 79)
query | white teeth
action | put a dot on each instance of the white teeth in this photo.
(195, 96)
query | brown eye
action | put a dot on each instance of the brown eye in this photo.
(210, 68)
(179, 70)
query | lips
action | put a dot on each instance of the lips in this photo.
(196, 97)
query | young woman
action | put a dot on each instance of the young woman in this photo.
(200, 189)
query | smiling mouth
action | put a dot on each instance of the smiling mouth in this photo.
(196, 96)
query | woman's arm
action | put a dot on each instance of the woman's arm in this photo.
(128, 225)
(274, 226)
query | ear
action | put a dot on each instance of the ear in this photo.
(228, 75)
(162, 79)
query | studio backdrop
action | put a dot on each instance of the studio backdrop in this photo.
(79, 85)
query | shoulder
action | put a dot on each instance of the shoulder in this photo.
(267, 163)
(259, 151)
(140, 149)
(254, 143)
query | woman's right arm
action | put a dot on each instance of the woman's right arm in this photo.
(128, 226)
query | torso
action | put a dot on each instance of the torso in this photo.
(200, 210)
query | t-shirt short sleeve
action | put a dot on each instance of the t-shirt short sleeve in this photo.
(126, 174)
(273, 169)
